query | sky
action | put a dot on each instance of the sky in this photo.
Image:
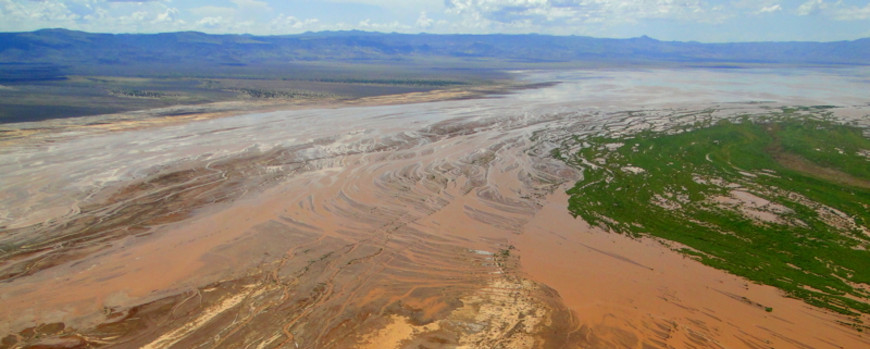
(680, 20)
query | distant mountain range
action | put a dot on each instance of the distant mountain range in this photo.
(52, 52)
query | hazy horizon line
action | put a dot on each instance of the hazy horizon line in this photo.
(432, 34)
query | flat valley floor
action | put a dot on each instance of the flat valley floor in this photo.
(442, 224)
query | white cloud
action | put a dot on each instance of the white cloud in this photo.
(811, 7)
(583, 11)
(284, 24)
(38, 11)
(395, 26)
(146, 20)
(835, 10)
(89, 15)
(673, 19)
(243, 16)
(853, 13)
(210, 22)
(167, 16)
(770, 9)
(424, 21)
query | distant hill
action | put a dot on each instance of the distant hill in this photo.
(74, 51)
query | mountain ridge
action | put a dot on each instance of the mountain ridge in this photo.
(70, 48)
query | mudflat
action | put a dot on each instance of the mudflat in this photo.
(435, 224)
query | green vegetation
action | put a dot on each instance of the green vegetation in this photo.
(138, 93)
(277, 94)
(505, 252)
(397, 82)
(781, 199)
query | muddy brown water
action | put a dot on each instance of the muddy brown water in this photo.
(440, 224)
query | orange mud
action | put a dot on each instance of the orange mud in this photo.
(371, 228)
